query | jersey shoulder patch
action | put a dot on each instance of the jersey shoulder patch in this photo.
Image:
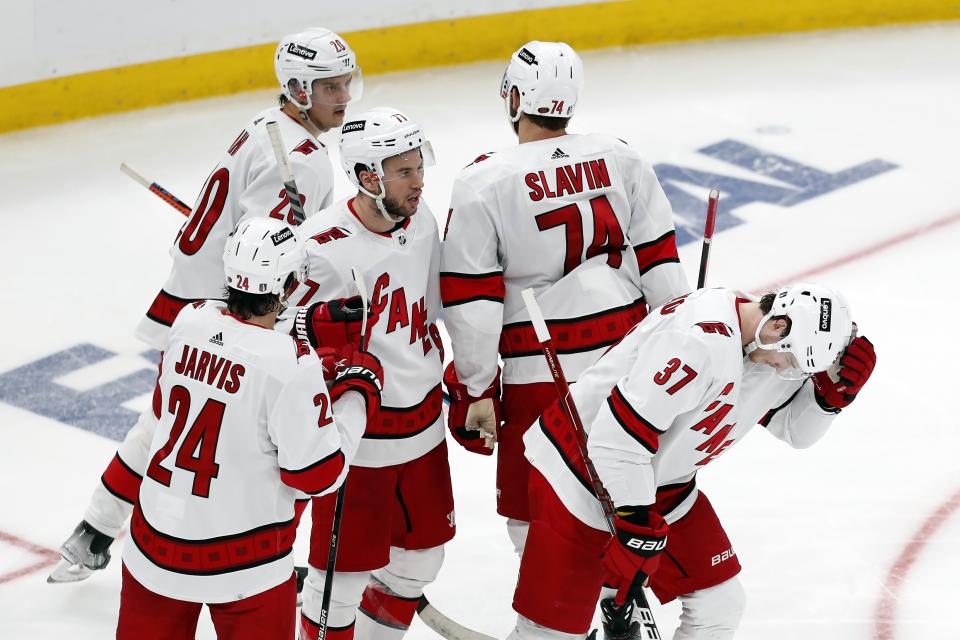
(720, 328)
(306, 147)
(331, 234)
(481, 158)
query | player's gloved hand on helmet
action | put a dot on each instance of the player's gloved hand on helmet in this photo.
(855, 366)
(87, 546)
(633, 554)
(473, 421)
(334, 323)
(355, 370)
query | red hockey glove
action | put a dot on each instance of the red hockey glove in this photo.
(334, 323)
(634, 553)
(856, 365)
(358, 371)
(469, 418)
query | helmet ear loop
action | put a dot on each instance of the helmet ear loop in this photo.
(508, 103)
(378, 197)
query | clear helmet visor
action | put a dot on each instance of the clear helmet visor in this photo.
(338, 90)
(408, 163)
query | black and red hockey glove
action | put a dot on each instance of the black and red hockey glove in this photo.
(634, 553)
(355, 370)
(856, 365)
(483, 418)
(334, 323)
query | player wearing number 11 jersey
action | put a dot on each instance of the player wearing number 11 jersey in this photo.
(580, 218)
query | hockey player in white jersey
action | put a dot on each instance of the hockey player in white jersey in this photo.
(398, 509)
(244, 423)
(318, 76)
(580, 218)
(680, 390)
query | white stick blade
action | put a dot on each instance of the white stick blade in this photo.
(130, 171)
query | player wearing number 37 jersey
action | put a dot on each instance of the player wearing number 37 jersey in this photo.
(582, 220)
(683, 388)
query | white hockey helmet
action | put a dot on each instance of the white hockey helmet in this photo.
(548, 76)
(261, 254)
(309, 55)
(821, 327)
(372, 137)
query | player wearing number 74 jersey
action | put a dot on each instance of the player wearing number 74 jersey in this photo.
(579, 218)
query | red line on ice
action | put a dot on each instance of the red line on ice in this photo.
(48, 557)
(865, 252)
(886, 613)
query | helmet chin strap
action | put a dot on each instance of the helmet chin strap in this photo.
(378, 199)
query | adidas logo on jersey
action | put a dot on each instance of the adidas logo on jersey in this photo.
(558, 154)
(217, 339)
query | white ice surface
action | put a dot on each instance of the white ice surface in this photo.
(816, 530)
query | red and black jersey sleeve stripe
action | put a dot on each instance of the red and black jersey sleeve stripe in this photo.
(122, 481)
(657, 252)
(632, 422)
(461, 288)
(165, 308)
(317, 477)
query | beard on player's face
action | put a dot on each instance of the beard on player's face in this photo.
(399, 208)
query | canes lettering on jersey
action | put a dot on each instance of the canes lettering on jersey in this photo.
(401, 269)
(398, 314)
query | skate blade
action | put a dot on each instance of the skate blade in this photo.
(67, 572)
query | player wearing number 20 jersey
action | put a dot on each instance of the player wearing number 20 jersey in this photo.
(582, 220)
(318, 74)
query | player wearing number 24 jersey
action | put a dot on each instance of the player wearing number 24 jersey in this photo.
(582, 220)
(245, 425)
(318, 76)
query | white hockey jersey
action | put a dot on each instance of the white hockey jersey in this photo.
(244, 424)
(674, 395)
(580, 218)
(245, 183)
(401, 273)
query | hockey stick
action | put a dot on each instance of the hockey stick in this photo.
(443, 625)
(162, 193)
(618, 618)
(342, 490)
(273, 130)
(431, 616)
(708, 226)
